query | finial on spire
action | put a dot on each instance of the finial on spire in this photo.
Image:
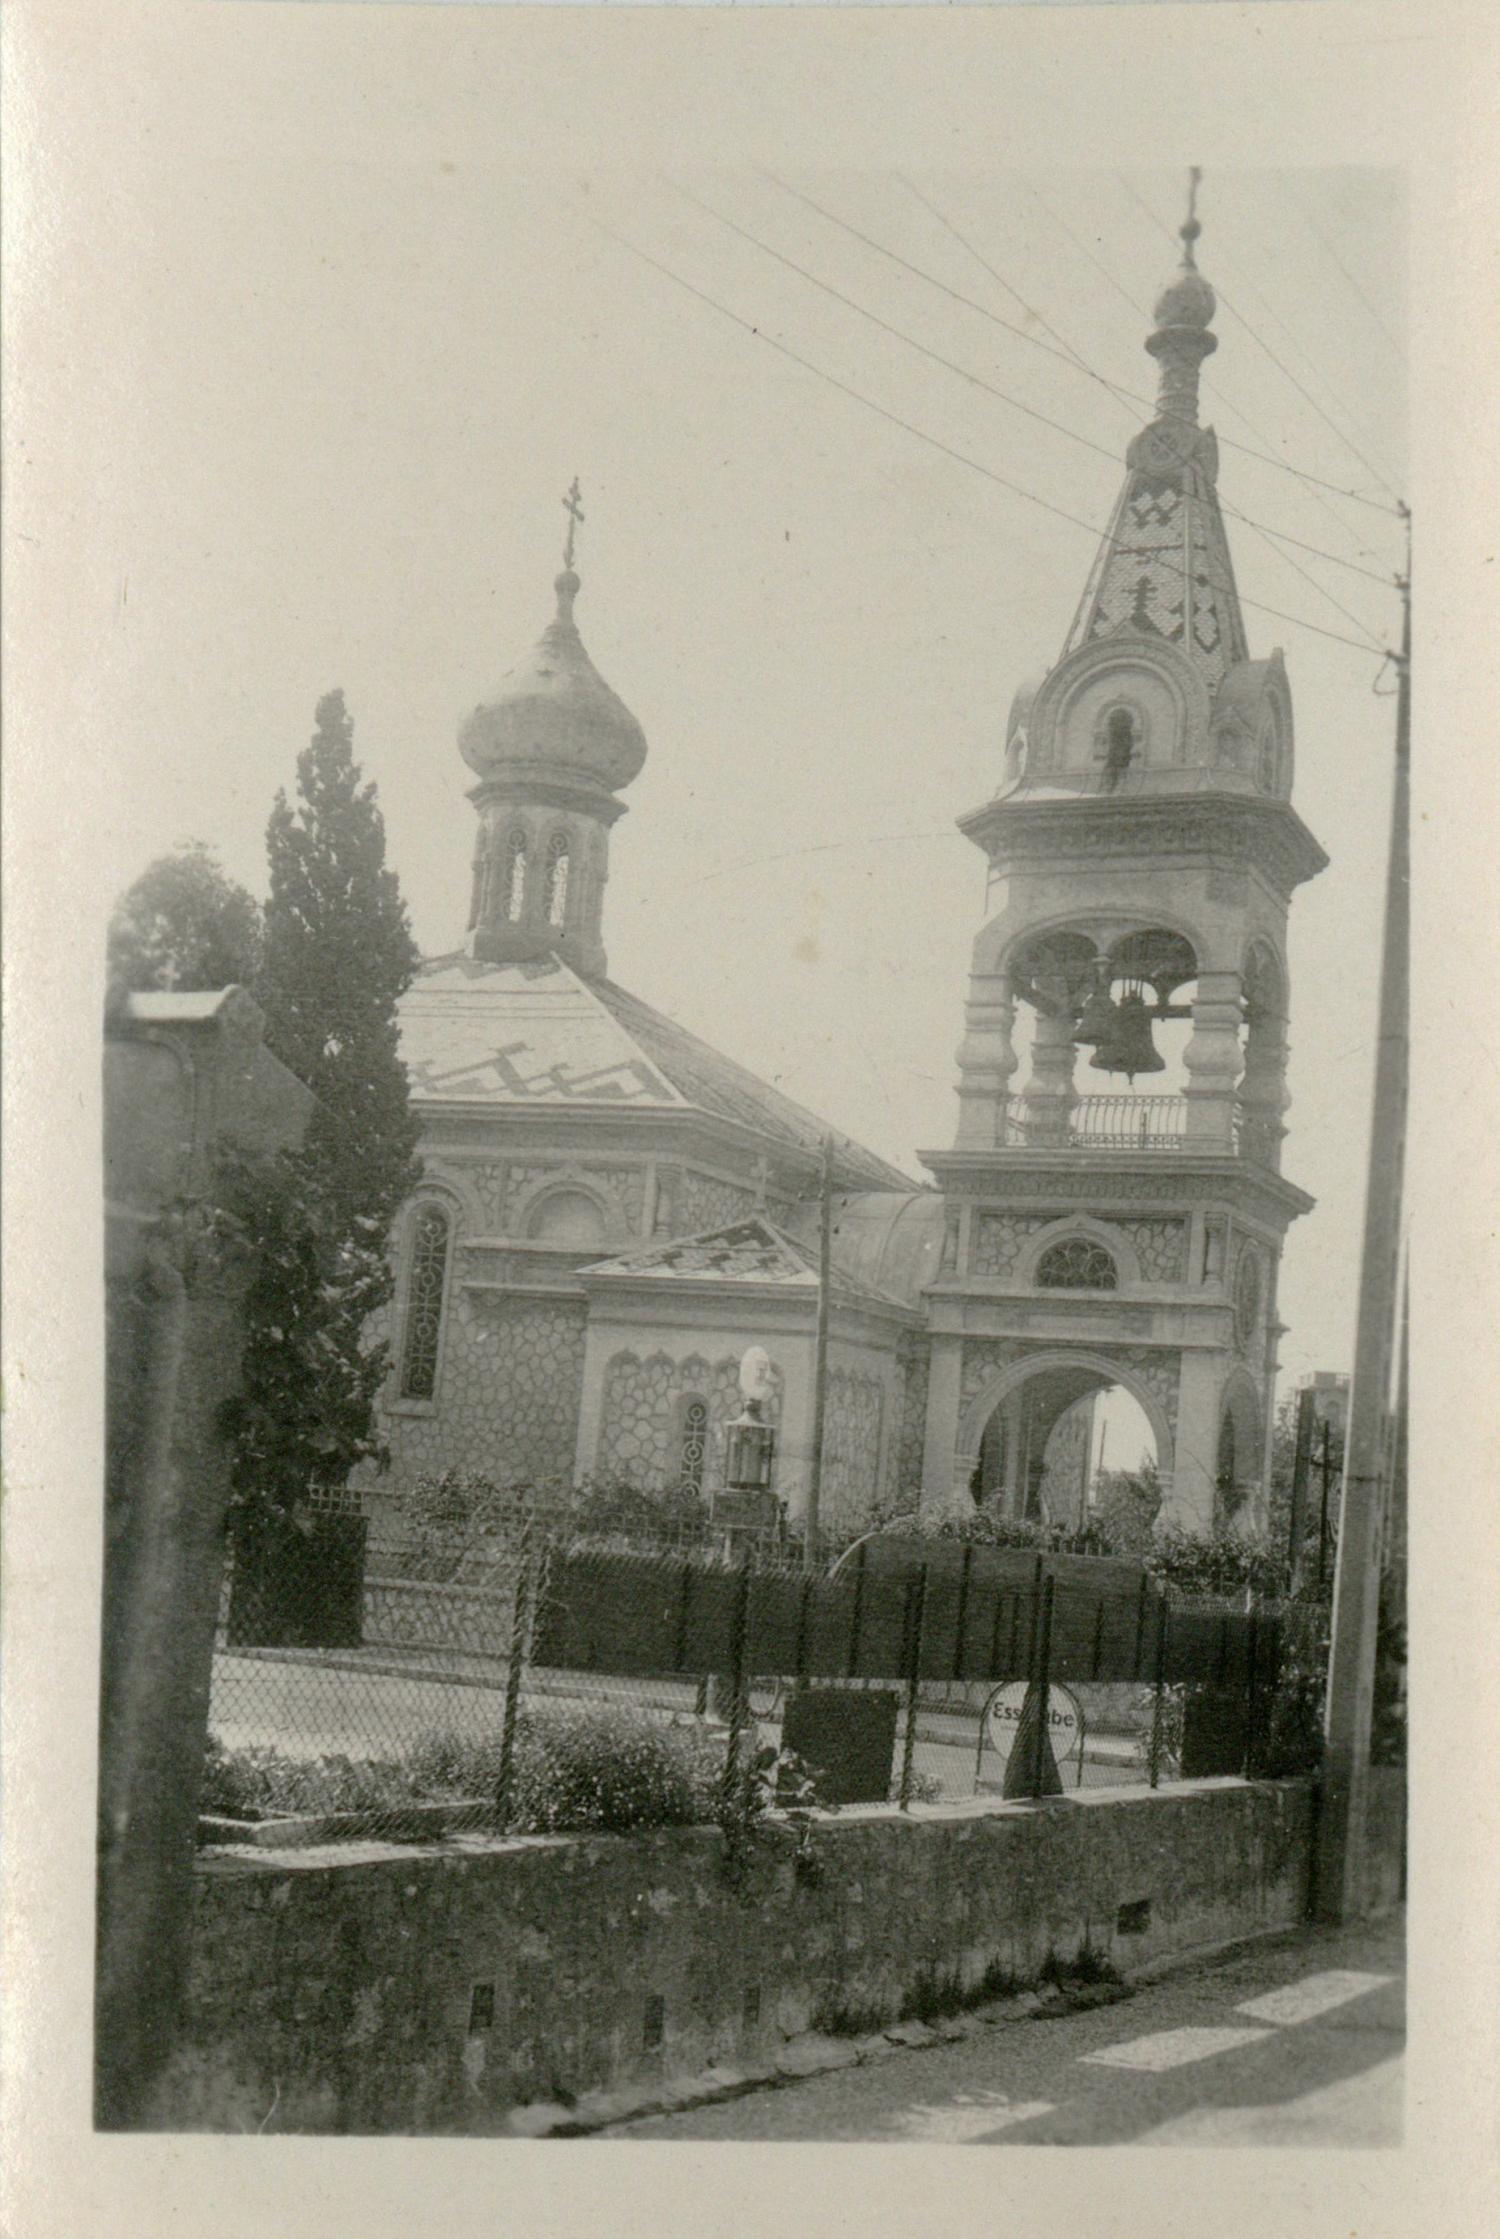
(1190, 229)
(573, 507)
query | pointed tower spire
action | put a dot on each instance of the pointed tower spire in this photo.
(1163, 568)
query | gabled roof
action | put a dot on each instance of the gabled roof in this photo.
(532, 1033)
(753, 1250)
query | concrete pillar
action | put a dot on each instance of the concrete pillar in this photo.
(1263, 1092)
(1212, 1059)
(986, 1061)
(1189, 1502)
(943, 1400)
(1050, 1093)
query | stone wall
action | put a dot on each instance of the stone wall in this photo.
(427, 1989)
(509, 1382)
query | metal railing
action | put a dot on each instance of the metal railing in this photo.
(1105, 1123)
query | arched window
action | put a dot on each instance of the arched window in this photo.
(425, 1284)
(567, 1216)
(555, 884)
(1268, 760)
(513, 877)
(692, 1448)
(1077, 1264)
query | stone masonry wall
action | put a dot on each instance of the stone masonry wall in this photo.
(427, 1989)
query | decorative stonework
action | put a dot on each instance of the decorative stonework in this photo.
(912, 1434)
(851, 1448)
(984, 1358)
(508, 1392)
(987, 1357)
(622, 1187)
(997, 1241)
(703, 1201)
(1161, 1248)
(639, 1432)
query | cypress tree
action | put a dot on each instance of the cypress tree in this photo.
(338, 954)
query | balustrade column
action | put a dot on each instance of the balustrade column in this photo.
(986, 1060)
(1050, 1093)
(1213, 1059)
(1263, 1092)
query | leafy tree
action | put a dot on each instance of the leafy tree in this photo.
(338, 954)
(184, 924)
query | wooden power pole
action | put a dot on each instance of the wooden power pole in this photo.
(820, 1359)
(1339, 1867)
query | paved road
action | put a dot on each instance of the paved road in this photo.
(1291, 2042)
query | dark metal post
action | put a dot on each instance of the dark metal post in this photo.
(738, 1645)
(916, 1602)
(1153, 1762)
(1252, 1679)
(520, 1631)
(1042, 1736)
(1301, 1464)
(1325, 1470)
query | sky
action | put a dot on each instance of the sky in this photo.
(359, 361)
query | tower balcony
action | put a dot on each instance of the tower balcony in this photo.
(1122, 1123)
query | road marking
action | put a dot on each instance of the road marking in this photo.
(1314, 1995)
(966, 2119)
(1173, 2048)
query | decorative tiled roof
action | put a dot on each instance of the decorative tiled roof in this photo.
(753, 1250)
(536, 1032)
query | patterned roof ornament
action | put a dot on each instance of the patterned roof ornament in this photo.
(1163, 569)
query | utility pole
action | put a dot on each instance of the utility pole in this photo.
(820, 1359)
(1325, 1479)
(1339, 1875)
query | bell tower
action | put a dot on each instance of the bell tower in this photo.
(552, 748)
(1115, 1205)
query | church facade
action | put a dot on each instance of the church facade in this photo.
(611, 1212)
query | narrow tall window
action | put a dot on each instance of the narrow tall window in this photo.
(694, 1445)
(513, 877)
(555, 885)
(424, 1303)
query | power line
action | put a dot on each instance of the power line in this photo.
(1216, 389)
(999, 278)
(1285, 370)
(1337, 262)
(1005, 397)
(1358, 497)
(962, 458)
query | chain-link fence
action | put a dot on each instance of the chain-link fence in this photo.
(532, 1681)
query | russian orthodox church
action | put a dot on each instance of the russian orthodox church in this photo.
(611, 1212)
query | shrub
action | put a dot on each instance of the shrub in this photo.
(610, 1766)
(262, 1783)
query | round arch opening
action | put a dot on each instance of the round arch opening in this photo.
(1070, 1444)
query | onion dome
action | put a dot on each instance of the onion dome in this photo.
(1187, 300)
(554, 715)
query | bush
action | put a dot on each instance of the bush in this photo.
(262, 1783)
(610, 1766)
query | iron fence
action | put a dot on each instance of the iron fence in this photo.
(553, 1683)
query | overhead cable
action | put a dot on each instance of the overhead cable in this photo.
(1359, 497)
(1367, 644)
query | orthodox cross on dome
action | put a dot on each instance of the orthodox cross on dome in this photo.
(573, 507)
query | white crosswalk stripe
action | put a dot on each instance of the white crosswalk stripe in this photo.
(1314, 1995)
(1173, 2048)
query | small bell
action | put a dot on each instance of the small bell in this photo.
(1130, 1049)
(1100, 1021)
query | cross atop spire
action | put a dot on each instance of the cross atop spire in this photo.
(573, 507)
(1190, 229)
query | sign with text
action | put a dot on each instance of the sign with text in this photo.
(1064, 1719)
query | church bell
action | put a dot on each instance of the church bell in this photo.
(1099, 1022)
(1129, 1048)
